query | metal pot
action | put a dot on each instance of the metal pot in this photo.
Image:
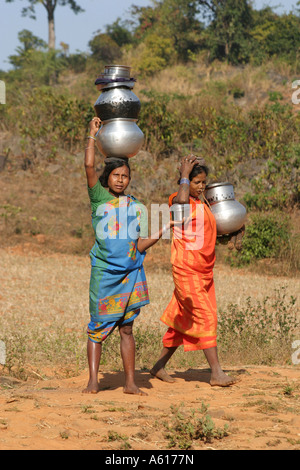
(117, 102)
(230, 215)
(180, 212)
(119, 138)
(217, 192)
(116, 71)
(114, 76)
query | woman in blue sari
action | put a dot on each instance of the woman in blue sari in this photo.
(118, 286)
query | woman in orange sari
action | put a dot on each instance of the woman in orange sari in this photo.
(192, 312)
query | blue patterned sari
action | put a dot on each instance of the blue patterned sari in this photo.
(118, 286)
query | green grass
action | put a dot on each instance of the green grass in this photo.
(185, 428)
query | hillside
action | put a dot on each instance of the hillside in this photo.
(44, 199)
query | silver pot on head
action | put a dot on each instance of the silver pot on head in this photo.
(119, 138)
(230, 214)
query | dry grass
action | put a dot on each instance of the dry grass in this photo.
(52, 288)
(219, 78)
(44, 310)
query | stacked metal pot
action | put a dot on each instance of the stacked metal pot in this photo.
(118, 108)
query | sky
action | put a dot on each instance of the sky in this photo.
(78, 30)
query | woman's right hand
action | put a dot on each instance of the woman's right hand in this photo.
(94, 126)
(89, 155)
(187, 164)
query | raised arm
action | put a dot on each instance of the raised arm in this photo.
(183, 195)
(89, 157)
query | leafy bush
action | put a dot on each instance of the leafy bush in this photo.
(267, 234)
(266, 326)
(157, 122)
(166, 122)
(186, 428)
(274, 139)
(33, 63)
(50, 121)
(268, 135)
(104, 48)
(77, 62)
(153, 55)
(274, 35)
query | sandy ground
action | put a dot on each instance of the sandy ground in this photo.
(56, 415)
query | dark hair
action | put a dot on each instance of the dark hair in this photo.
(109, 167)
(196, 171)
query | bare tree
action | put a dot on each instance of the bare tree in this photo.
(50, 6)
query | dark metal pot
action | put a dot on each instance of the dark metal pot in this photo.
(117, 102)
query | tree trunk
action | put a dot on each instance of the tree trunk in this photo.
(226, 49)
(51, 37)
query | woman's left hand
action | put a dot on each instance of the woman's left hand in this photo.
(236, 239)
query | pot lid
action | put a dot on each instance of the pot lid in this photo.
(115, 74)
(116, 71)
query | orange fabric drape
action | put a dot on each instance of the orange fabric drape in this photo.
(192, 312)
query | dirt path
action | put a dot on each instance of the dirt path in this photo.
(262, 411)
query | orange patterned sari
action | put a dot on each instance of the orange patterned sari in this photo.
(192, 312)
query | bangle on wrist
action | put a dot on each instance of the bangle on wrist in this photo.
(91, 137)
(184, 181)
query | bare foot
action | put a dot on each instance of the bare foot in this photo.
(162, 375)
(92, 388)
(223, 380)
(134, 390)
